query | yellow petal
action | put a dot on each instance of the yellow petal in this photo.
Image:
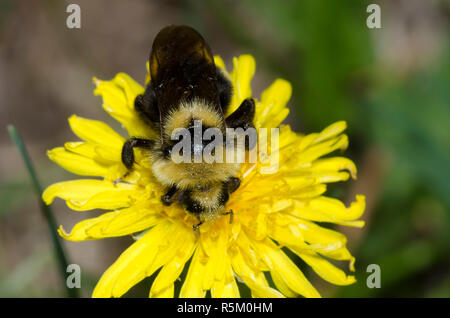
(225, 287)
(318, 150)
(130, 87)
(324, 268)
(251, 276)
(173, 268)
(334, 164)
(165, 293)
(287, 136)
(114, 101)
(96, 132)
(259, 291)
(331, 131)
(289, 272)
(147, 76)
(118, 101)
(137, 127)
(215, 248)
(315, 234)
(257, 226)
(132, 265)
(106, 200)
(243, 71)
(193, 283)
(294, 234)
(82, 148)
(219, 62)
(277, 119)
(281, 285)
(320, 176)
(85, 194)
(308, 192)
(298, 182)
(288, 233)
(271, 111)
(118, 223)
(324, 209)
(103, 155)
(77, 164)
(337, 209)
(113, 96)
(249, 253)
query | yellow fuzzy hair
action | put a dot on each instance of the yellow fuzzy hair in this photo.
(210, 201)
(197, 110)
(188, 175)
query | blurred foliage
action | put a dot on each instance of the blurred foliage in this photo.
(409, 235)
(315, 38)
(324, 49)
(17, 282)
(335, 75)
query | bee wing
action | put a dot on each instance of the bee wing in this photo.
(174, 45)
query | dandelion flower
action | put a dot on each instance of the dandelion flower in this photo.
(272, 212)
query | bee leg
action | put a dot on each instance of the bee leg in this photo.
(171, 196)
(130, 144)
(243, 118)
(233, 184)
(146, 107)
(115, 182)
(196, 227)
(231, 213)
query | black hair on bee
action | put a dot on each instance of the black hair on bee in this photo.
(186, 86)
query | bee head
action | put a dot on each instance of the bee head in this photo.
(191, 134)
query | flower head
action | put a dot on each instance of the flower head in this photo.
(272, 212)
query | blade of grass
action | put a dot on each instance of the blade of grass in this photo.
(46, 211)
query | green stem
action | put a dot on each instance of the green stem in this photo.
(46, 211)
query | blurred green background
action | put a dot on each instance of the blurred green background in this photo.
(391, 85)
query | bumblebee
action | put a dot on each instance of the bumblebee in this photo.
(186, 87)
